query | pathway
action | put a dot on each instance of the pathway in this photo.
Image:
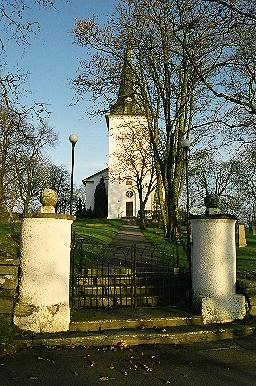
(131, 234)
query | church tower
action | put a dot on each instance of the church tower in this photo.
(125, 113)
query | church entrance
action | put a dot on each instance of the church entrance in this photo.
(129, 209)
(117, 276)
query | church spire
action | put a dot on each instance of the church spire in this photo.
(127, 100)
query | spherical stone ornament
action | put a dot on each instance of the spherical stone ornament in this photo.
(49, 197)
(212, 201)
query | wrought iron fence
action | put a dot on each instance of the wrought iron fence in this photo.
(126, 276)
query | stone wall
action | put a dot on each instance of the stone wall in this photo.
(247, 287)
(9, 267)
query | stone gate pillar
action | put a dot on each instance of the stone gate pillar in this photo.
(43, 304)
(214, 269)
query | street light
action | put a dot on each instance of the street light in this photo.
(73, 138)
(185, 145)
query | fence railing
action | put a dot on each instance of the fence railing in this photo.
(126, 276)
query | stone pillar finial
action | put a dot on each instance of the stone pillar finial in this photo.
(212, 203)
(48, 200)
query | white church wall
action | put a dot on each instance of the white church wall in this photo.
(115, 203)
(91, 183)
(117, 191)
(90, 188)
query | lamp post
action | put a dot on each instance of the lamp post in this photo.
(185, 145)
(73, 138)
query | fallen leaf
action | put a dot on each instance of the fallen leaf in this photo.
(106, 378)
(122, 344)
(147, 368)
(45, 359)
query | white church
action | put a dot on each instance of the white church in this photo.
(125, 114)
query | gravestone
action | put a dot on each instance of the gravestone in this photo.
(241, 238)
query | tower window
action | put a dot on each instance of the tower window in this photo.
(129, 193)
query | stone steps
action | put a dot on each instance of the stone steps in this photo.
(111, 287)
(128, 337)
(105, 271)
(124, 327)
(146, 318)
(115, 301)
(109, 292)
(117, 290)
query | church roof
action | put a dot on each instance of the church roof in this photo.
(87, 179)
(127, 102)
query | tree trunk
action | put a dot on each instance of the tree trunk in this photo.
(142, 224)
(3, 210)
(26, 206)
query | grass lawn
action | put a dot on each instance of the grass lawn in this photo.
(246, 256)
(97, 230)
(92, 238)
(104, 231)
(173, 251)
(93, 230)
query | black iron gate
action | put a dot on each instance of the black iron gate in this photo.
(127, 276)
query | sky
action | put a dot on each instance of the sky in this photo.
(51, 61)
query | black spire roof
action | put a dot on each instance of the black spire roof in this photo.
(127, 100)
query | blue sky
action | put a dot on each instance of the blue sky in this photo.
(51, 62)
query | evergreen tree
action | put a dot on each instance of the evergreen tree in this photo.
(100, 200)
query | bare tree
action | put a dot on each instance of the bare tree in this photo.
(210, 174)
(246, 9)
(14, 21)
(165, 39)
(232, 76)
(58, 179)
(29, 163)
(16, 25)
(227, 179)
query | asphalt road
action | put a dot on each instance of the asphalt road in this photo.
(221, 363)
